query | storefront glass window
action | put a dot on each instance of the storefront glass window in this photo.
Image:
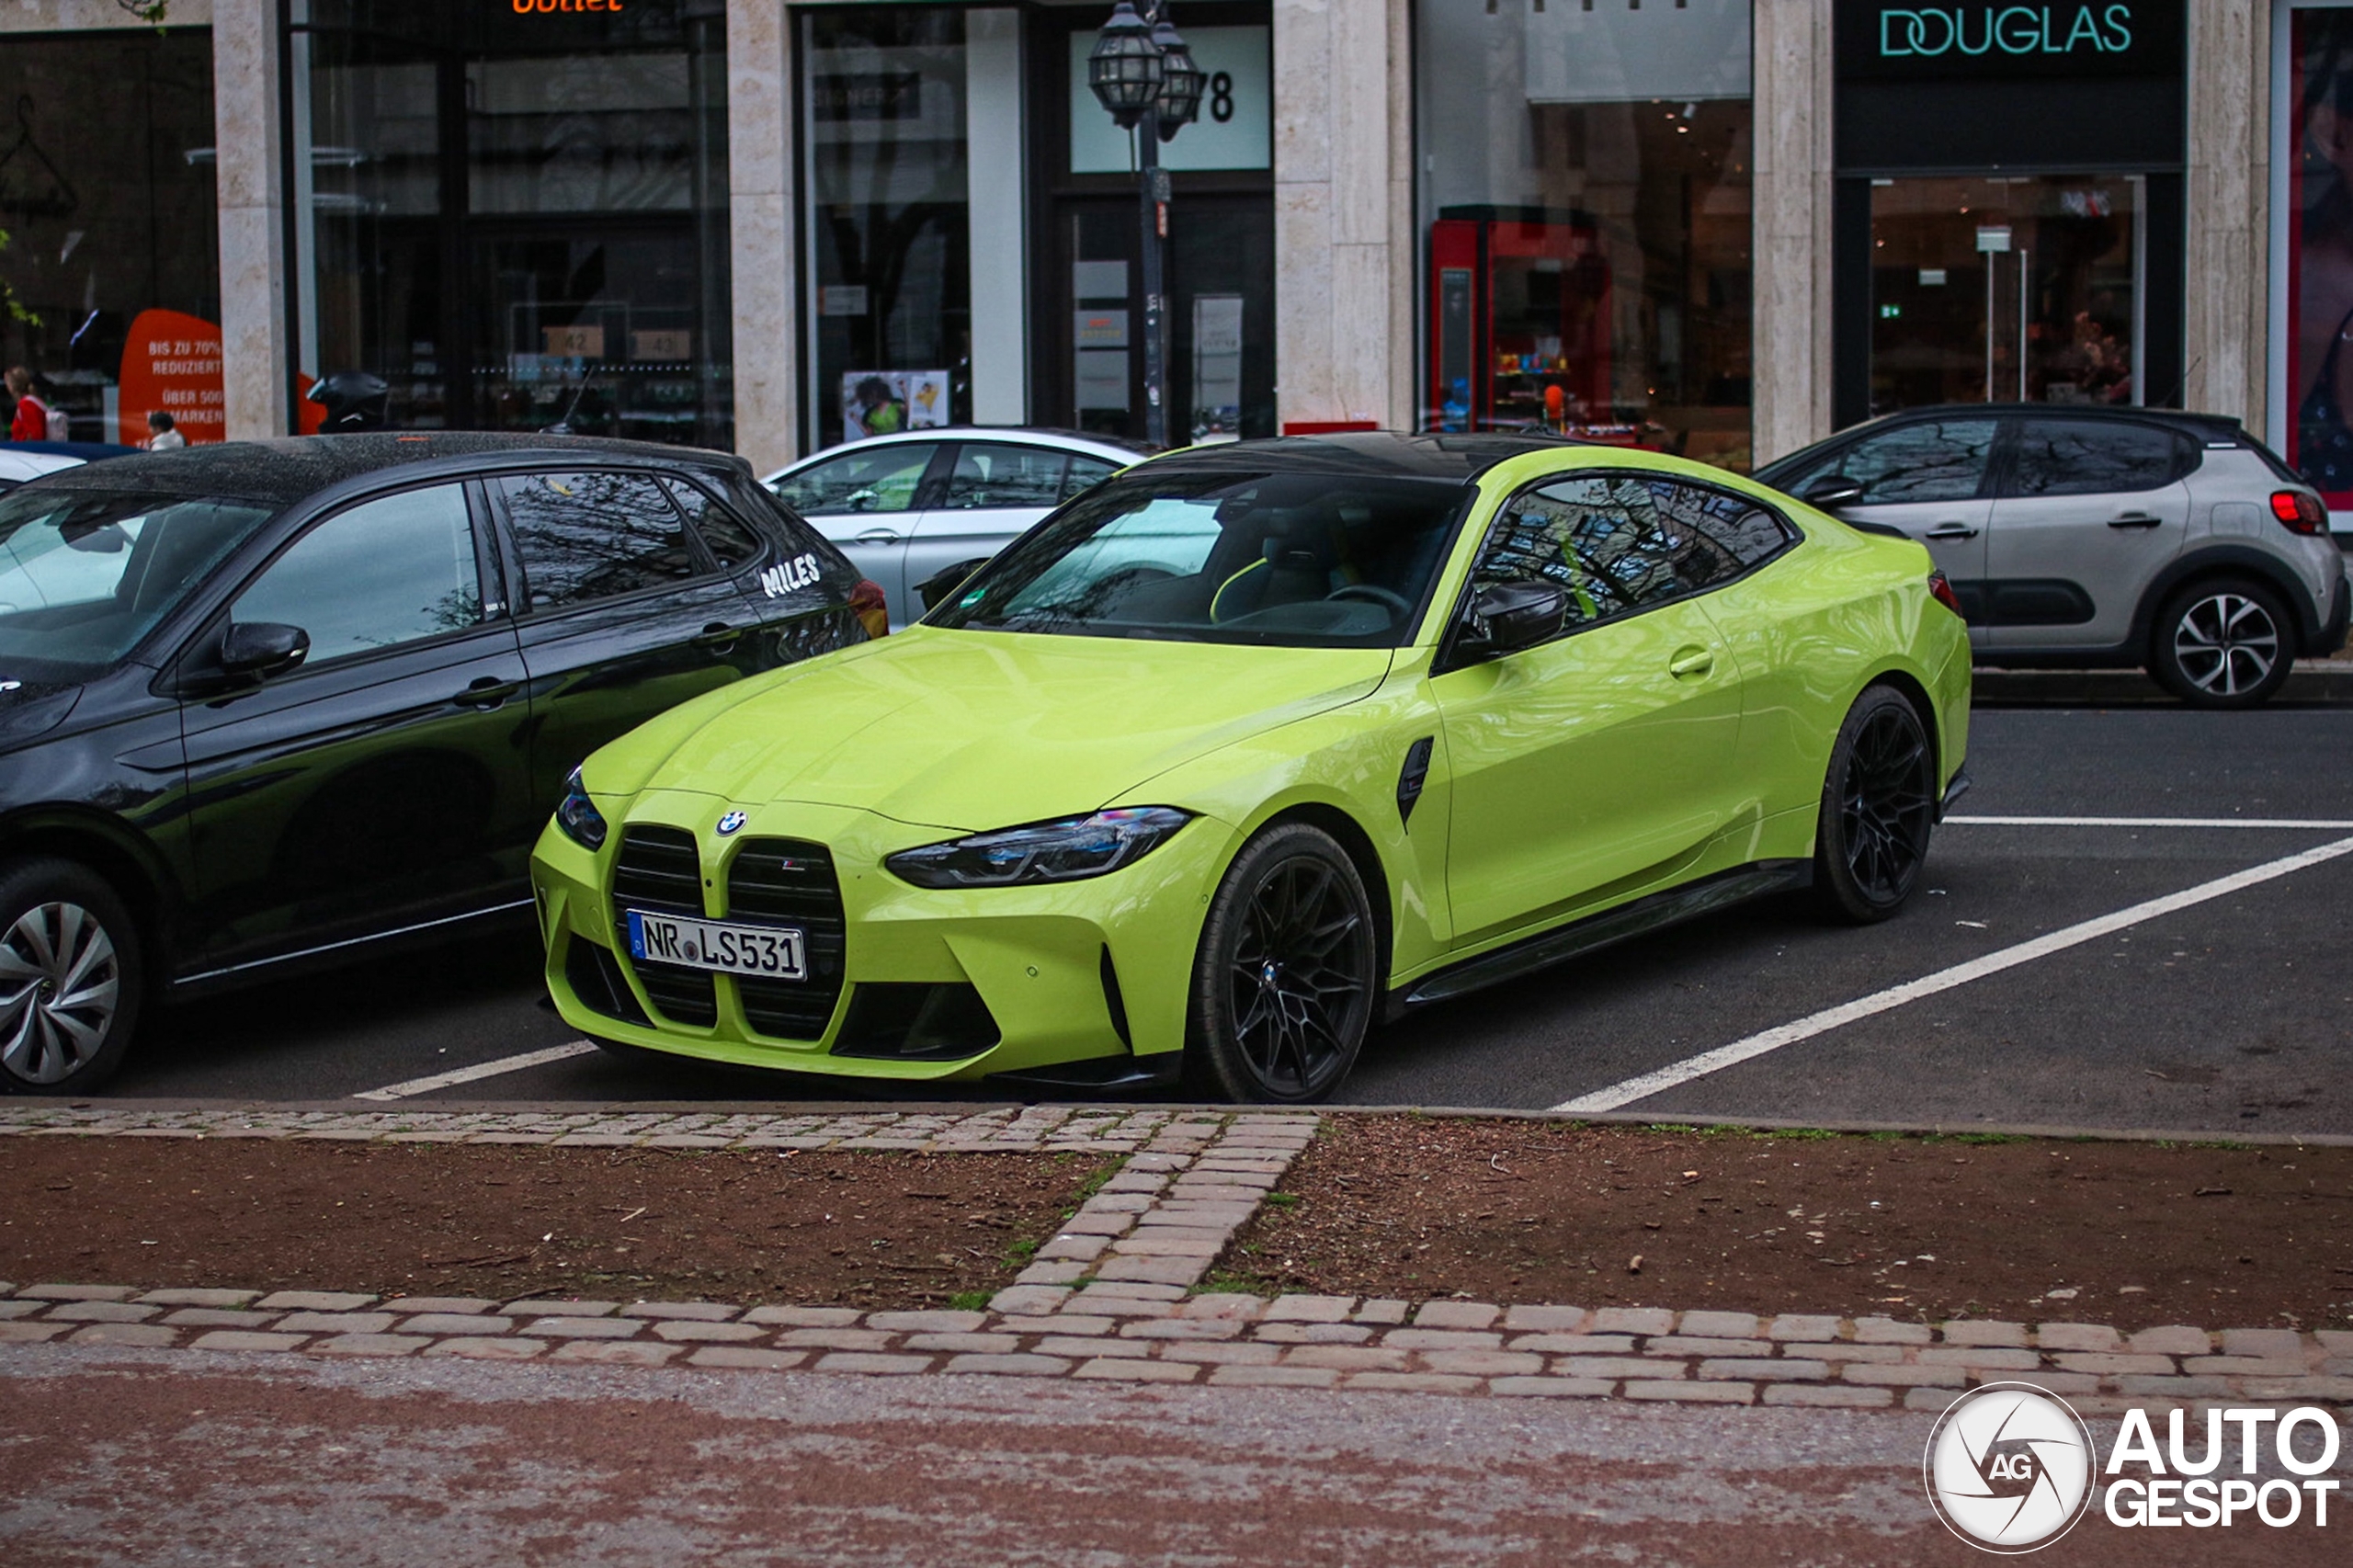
(106, 197)
(516, 216)
(887, 218)
(2315, 418)
(1585, 201)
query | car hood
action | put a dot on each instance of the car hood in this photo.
(970, 731)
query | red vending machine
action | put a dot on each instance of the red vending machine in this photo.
(1519, 323)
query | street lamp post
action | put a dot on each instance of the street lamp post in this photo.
(1143, 74)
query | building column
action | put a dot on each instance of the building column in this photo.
(1343, 198)
(763, 264)
(2227, 316)
(1790, 235)
(258, 369)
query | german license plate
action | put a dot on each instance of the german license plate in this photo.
(770, 952)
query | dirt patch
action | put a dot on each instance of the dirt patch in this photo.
(808, 1227)
(2132, 1234)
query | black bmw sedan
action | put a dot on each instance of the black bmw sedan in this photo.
(270, 704)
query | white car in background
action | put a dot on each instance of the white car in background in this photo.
(909, 507)
(18, 467)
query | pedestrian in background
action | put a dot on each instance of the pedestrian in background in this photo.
(31, 420)
(161, 434)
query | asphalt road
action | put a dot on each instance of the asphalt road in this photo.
(2234, 1014)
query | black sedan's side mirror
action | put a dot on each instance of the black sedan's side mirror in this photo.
(1832, 491)
(1516, 616)
(263, 648)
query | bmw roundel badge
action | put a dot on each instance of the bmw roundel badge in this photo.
(731, 821)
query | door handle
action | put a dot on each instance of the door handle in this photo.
(877, 536)
(1951, 530)
(718, 634)
(1689, 661)
(486, 691)
(2134, 520)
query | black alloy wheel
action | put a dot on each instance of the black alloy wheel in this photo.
(1284, 983)
(1879, 805)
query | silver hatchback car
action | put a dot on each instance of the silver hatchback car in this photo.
(2086, 537)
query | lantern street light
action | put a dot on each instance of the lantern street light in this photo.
(1141, 72)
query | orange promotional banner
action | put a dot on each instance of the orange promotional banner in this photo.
(172, 362)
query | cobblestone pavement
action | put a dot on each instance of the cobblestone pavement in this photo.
(1114, 1297)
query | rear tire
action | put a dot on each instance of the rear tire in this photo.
(1878, 804)
(72, 977)
(2223, 644)
(1286, 974)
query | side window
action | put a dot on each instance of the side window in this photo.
(2084, 456)
(590, 536)
(989, 475)
(872, 479)
(1941, 459)
(729, 539)
(1613, 543)
(1739, 532)
(1085, 473)
(386, 572)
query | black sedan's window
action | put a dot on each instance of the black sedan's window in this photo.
(1619, 543)
(729, 539)
(85, 576)
(591, 535)
(387, 572)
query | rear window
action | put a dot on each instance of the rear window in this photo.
(2084, 456)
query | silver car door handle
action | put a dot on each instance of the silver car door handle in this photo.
(1951, 530)
(877, 536)
(2134, 520)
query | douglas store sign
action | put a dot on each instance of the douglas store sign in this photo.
(2001, 41)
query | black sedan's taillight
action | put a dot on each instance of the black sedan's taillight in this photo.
(2301, 511)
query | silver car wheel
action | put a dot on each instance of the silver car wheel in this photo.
(2225, 644)
(59, 984)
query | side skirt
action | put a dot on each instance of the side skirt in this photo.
(1653, 913)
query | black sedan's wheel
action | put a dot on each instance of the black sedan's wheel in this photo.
(70, 979)
(1879, 804)
(1284, 982)
(2223, 644)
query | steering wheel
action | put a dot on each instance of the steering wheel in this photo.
(1138, 574)
(1387, 599)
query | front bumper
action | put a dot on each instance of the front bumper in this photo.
(932, 985)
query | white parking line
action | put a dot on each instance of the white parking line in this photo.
(481, 1070)
(2314, 825)
(1755, 1045)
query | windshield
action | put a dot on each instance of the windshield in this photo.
(1293, 560)
(83, 575)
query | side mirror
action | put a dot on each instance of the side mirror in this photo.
(1516, 616)
(263, 648)
(1832, 491)
(934, 590)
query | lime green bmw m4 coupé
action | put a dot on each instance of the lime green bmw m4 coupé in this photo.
(1254, 745)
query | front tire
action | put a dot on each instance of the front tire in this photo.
(1284, 980)
(2226, 645)
(72, 977)
(1879, 804)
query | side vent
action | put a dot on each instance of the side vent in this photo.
(1410, 781)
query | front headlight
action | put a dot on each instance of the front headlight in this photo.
(579, 816)
(1062, 851)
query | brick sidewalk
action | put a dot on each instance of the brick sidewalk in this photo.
(1112, 1297)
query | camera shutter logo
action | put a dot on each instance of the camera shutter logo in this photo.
(2009, 1468)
